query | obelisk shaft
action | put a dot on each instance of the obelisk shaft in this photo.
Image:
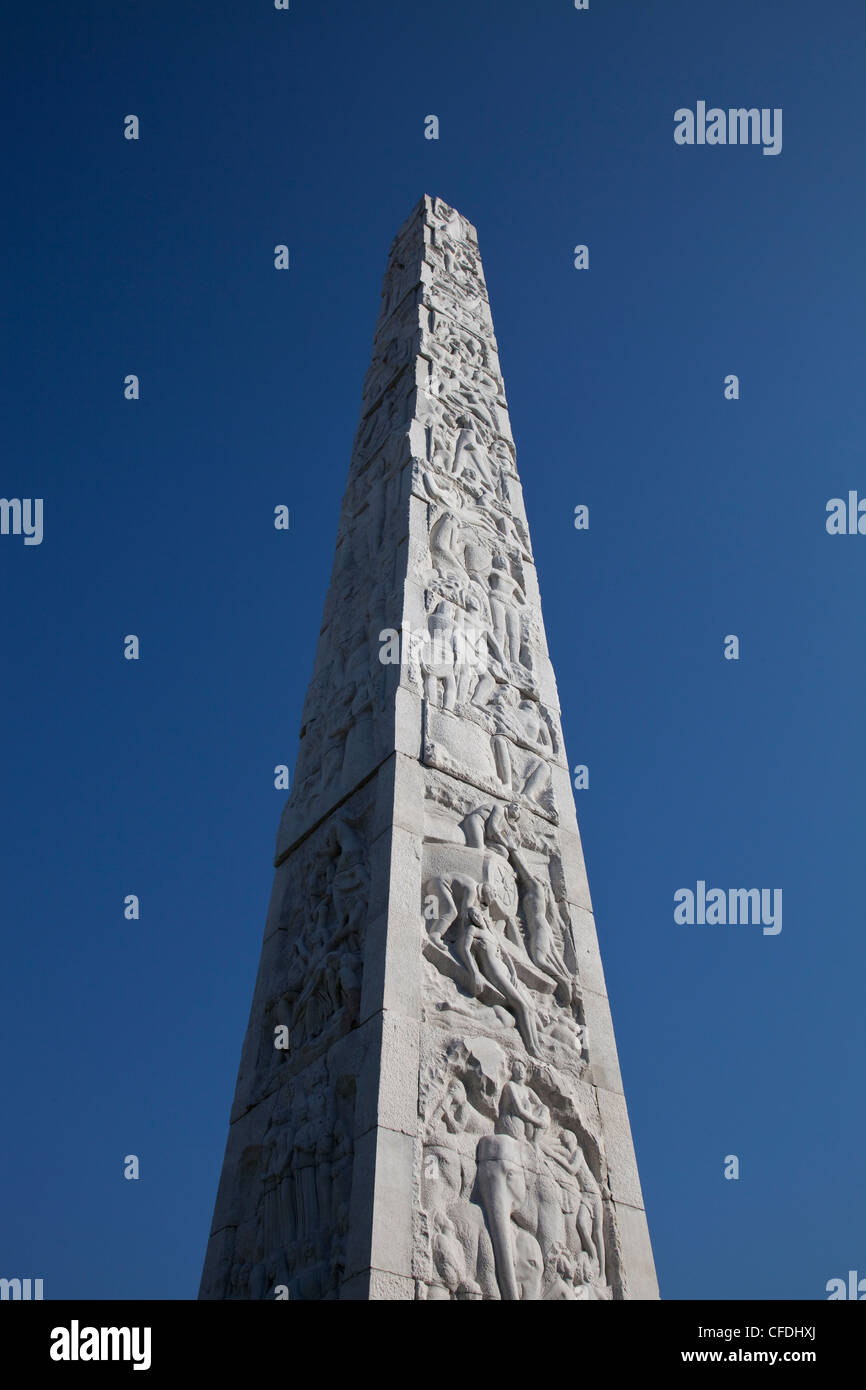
(429, 1104)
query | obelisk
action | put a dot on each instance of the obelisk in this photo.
(429, 1104)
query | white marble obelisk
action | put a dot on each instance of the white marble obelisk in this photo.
(429, 1104)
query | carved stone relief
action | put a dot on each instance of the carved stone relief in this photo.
(497, 935)
(514, 1203)
(316, 962)
(295, 1189)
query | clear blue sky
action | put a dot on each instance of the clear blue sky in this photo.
(706, 518)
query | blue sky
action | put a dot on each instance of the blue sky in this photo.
(706, 518)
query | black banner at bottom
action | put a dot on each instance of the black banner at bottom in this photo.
(253, 1339)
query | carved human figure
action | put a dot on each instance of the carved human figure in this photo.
(506, 601)
(511, 531)
(276, 1217)
(492, 827)
(324, 1153)
(447, 899)
(472, 644)
(477, 561)
(562, 1277)
(449, 1257)
(522, 719)
(312, 935)
(307, 990)
(439, 656)
(540, 941)
(469, 453)
(324, 976)
(446, 544)
(521, 1114)
(588, 1287)
(446, 538)
(304, 1165)
(349, 983)
(479, 948)
(504, 460)
(314, 1006)
(348, 705)
(475, 645)
(523, 722)
(351, 879)
(454, 1113)
(590, 1212)
(516, 1183)
(482, 525)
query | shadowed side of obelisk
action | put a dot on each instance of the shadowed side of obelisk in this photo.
(295, 1205)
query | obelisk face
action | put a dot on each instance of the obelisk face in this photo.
(429, 1103)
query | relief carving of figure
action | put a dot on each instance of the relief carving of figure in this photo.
(454, 1113)
(494, 927)
(506, 600)
(323, 973)
(459, 1241)
(479, 948)
(522, 722)
(587, 1211)
(471, 456)
(519, 1199)
(453, 656)
(492, 827)
(521, 1113)
(541, 944)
